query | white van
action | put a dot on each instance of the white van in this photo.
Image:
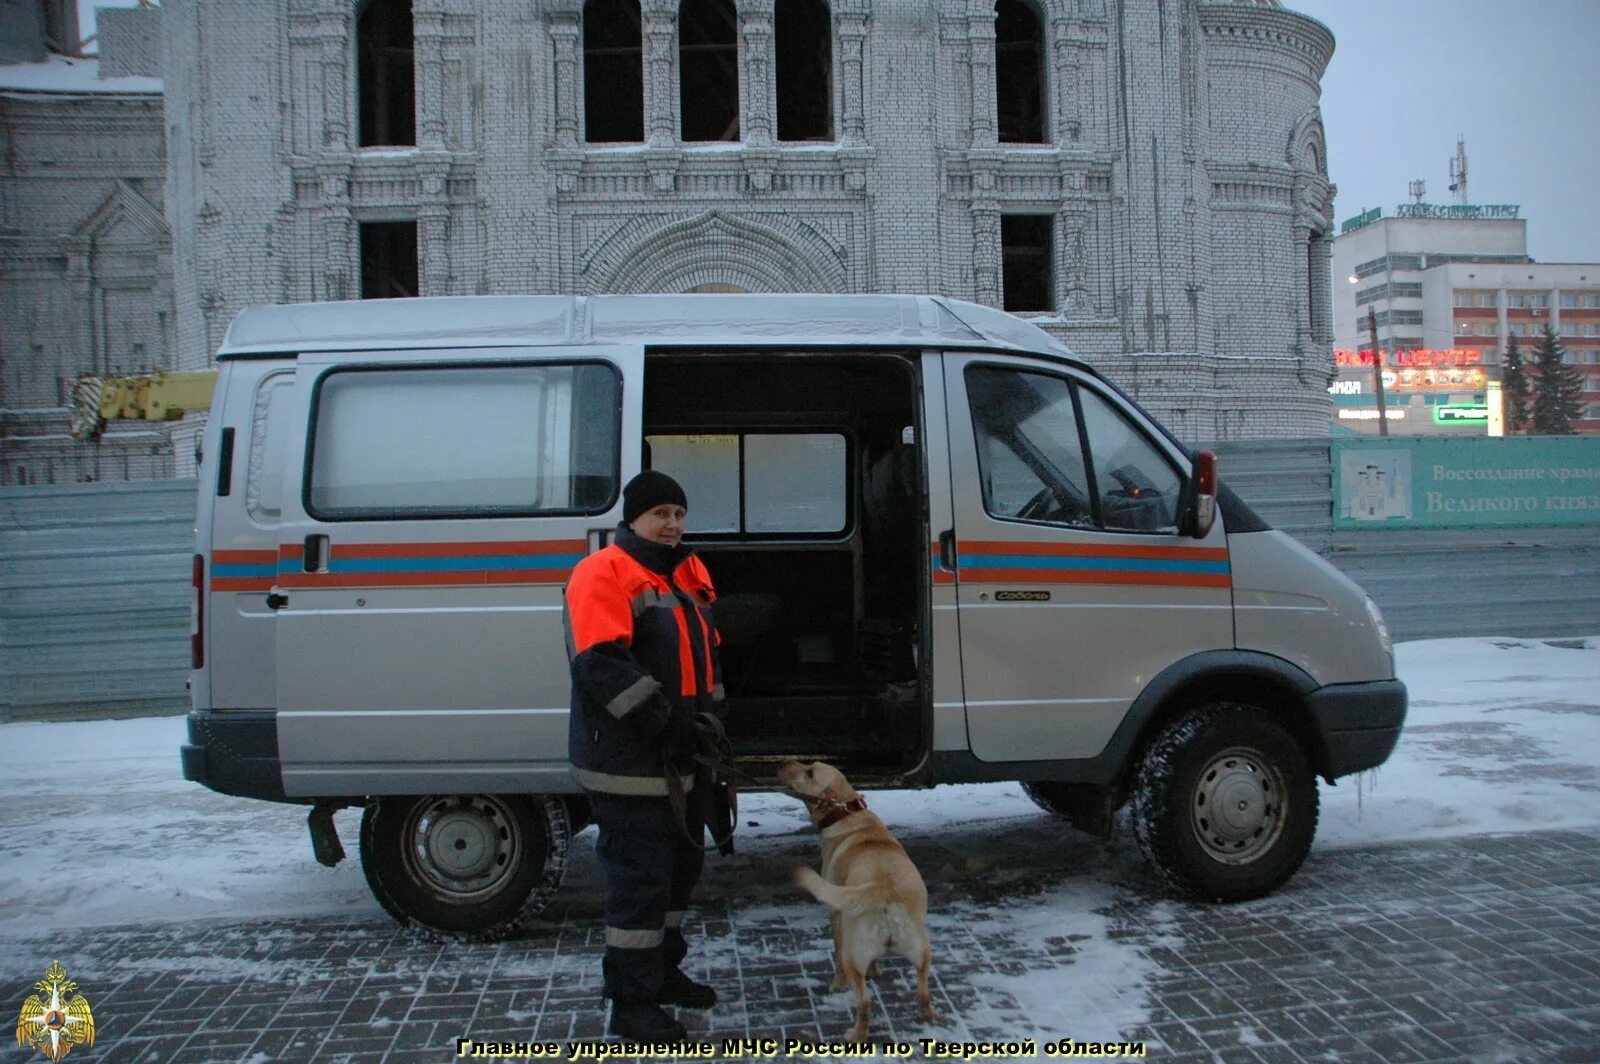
(946, 551)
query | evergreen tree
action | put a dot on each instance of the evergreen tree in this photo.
(1514, 387)
(1557, 388)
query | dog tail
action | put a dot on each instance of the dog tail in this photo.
(849, 900)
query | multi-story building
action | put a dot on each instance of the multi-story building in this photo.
(1144, 179)
(1447, 288)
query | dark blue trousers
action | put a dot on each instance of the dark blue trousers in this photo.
(651, 871)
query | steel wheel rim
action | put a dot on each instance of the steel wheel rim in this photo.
(1238, 806)
(462, 848)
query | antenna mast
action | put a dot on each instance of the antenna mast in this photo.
(1458, 171)
(1418, 190)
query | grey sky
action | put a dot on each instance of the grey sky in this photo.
(1519, 79)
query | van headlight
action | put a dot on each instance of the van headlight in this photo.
(1383, 631)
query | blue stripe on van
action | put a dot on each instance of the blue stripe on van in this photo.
(237, 570)
(970, 562)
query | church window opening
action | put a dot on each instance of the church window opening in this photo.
(389, 260)
(803, 44)
(386, 71)
(613, 72)
(708, 70)
(1018, 72)
(1025, 275)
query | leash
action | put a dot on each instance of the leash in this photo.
(713, 762)
(715, 766)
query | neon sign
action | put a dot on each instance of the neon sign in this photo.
(1501, 211)
(1413, 356)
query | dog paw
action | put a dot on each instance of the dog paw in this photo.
(837, 984)
(872, 970)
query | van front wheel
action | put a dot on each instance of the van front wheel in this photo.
(466, 866)
(1225, 804)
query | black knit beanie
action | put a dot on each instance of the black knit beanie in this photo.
(649, 490)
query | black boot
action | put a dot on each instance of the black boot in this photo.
(679, 989)
(643, 1021)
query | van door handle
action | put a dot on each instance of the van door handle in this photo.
(947, 550)
(316, 554)
(276, 600)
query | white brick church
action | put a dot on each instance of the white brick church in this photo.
(1145, 179)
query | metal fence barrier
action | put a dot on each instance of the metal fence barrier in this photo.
(94, 579)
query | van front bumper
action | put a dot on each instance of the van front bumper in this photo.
(1359, 724)
(235, 752)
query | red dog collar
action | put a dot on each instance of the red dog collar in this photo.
(842, 810)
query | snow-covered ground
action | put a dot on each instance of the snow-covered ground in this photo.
(97, 825)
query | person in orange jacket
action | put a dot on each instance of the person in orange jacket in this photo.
(643, 644)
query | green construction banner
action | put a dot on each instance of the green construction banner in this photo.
(1480, 482)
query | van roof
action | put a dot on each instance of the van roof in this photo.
(658, 320)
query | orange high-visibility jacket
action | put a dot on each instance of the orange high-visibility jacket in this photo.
(643, 645)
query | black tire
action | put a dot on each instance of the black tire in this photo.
(474, 867)
(1264, 828)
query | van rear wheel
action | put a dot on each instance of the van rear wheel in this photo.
(465, 866)
(1225, 804)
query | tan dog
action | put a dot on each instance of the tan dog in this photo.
(878, 899)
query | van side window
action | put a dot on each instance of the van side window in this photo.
(769, 483)
(1030, 452)
(467, 441)
(1138, 486)
(269, 448)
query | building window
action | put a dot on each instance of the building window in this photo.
(386, 72)
(613, 72)
(803, 45)
(1569, 328)
(1515, 301)
(1568, 301)
(1487, 299)
(388, 260)
(1025, 274)
(1019, 72)
(708, 70)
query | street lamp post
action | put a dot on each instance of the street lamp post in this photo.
(1377, 371)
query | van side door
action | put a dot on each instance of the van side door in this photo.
(1074, 587)
(432, 514)
(244, 470)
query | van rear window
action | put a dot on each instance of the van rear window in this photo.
(464, 441)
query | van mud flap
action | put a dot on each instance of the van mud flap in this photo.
(325, 842)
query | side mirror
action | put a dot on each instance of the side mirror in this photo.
(1200, 496)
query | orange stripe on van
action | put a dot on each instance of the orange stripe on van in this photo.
(244, 557)
(460, 550)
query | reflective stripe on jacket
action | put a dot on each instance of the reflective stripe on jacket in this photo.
(642, 641)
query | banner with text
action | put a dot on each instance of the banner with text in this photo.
(1444, 482)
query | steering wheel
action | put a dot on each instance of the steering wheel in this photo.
(1047, 505)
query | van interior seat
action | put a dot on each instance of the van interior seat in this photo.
(743, 617)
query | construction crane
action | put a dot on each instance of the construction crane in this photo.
(143, 397)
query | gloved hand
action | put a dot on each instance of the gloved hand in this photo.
(680, 737)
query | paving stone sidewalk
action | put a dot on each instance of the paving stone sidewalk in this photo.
(1485, 948)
